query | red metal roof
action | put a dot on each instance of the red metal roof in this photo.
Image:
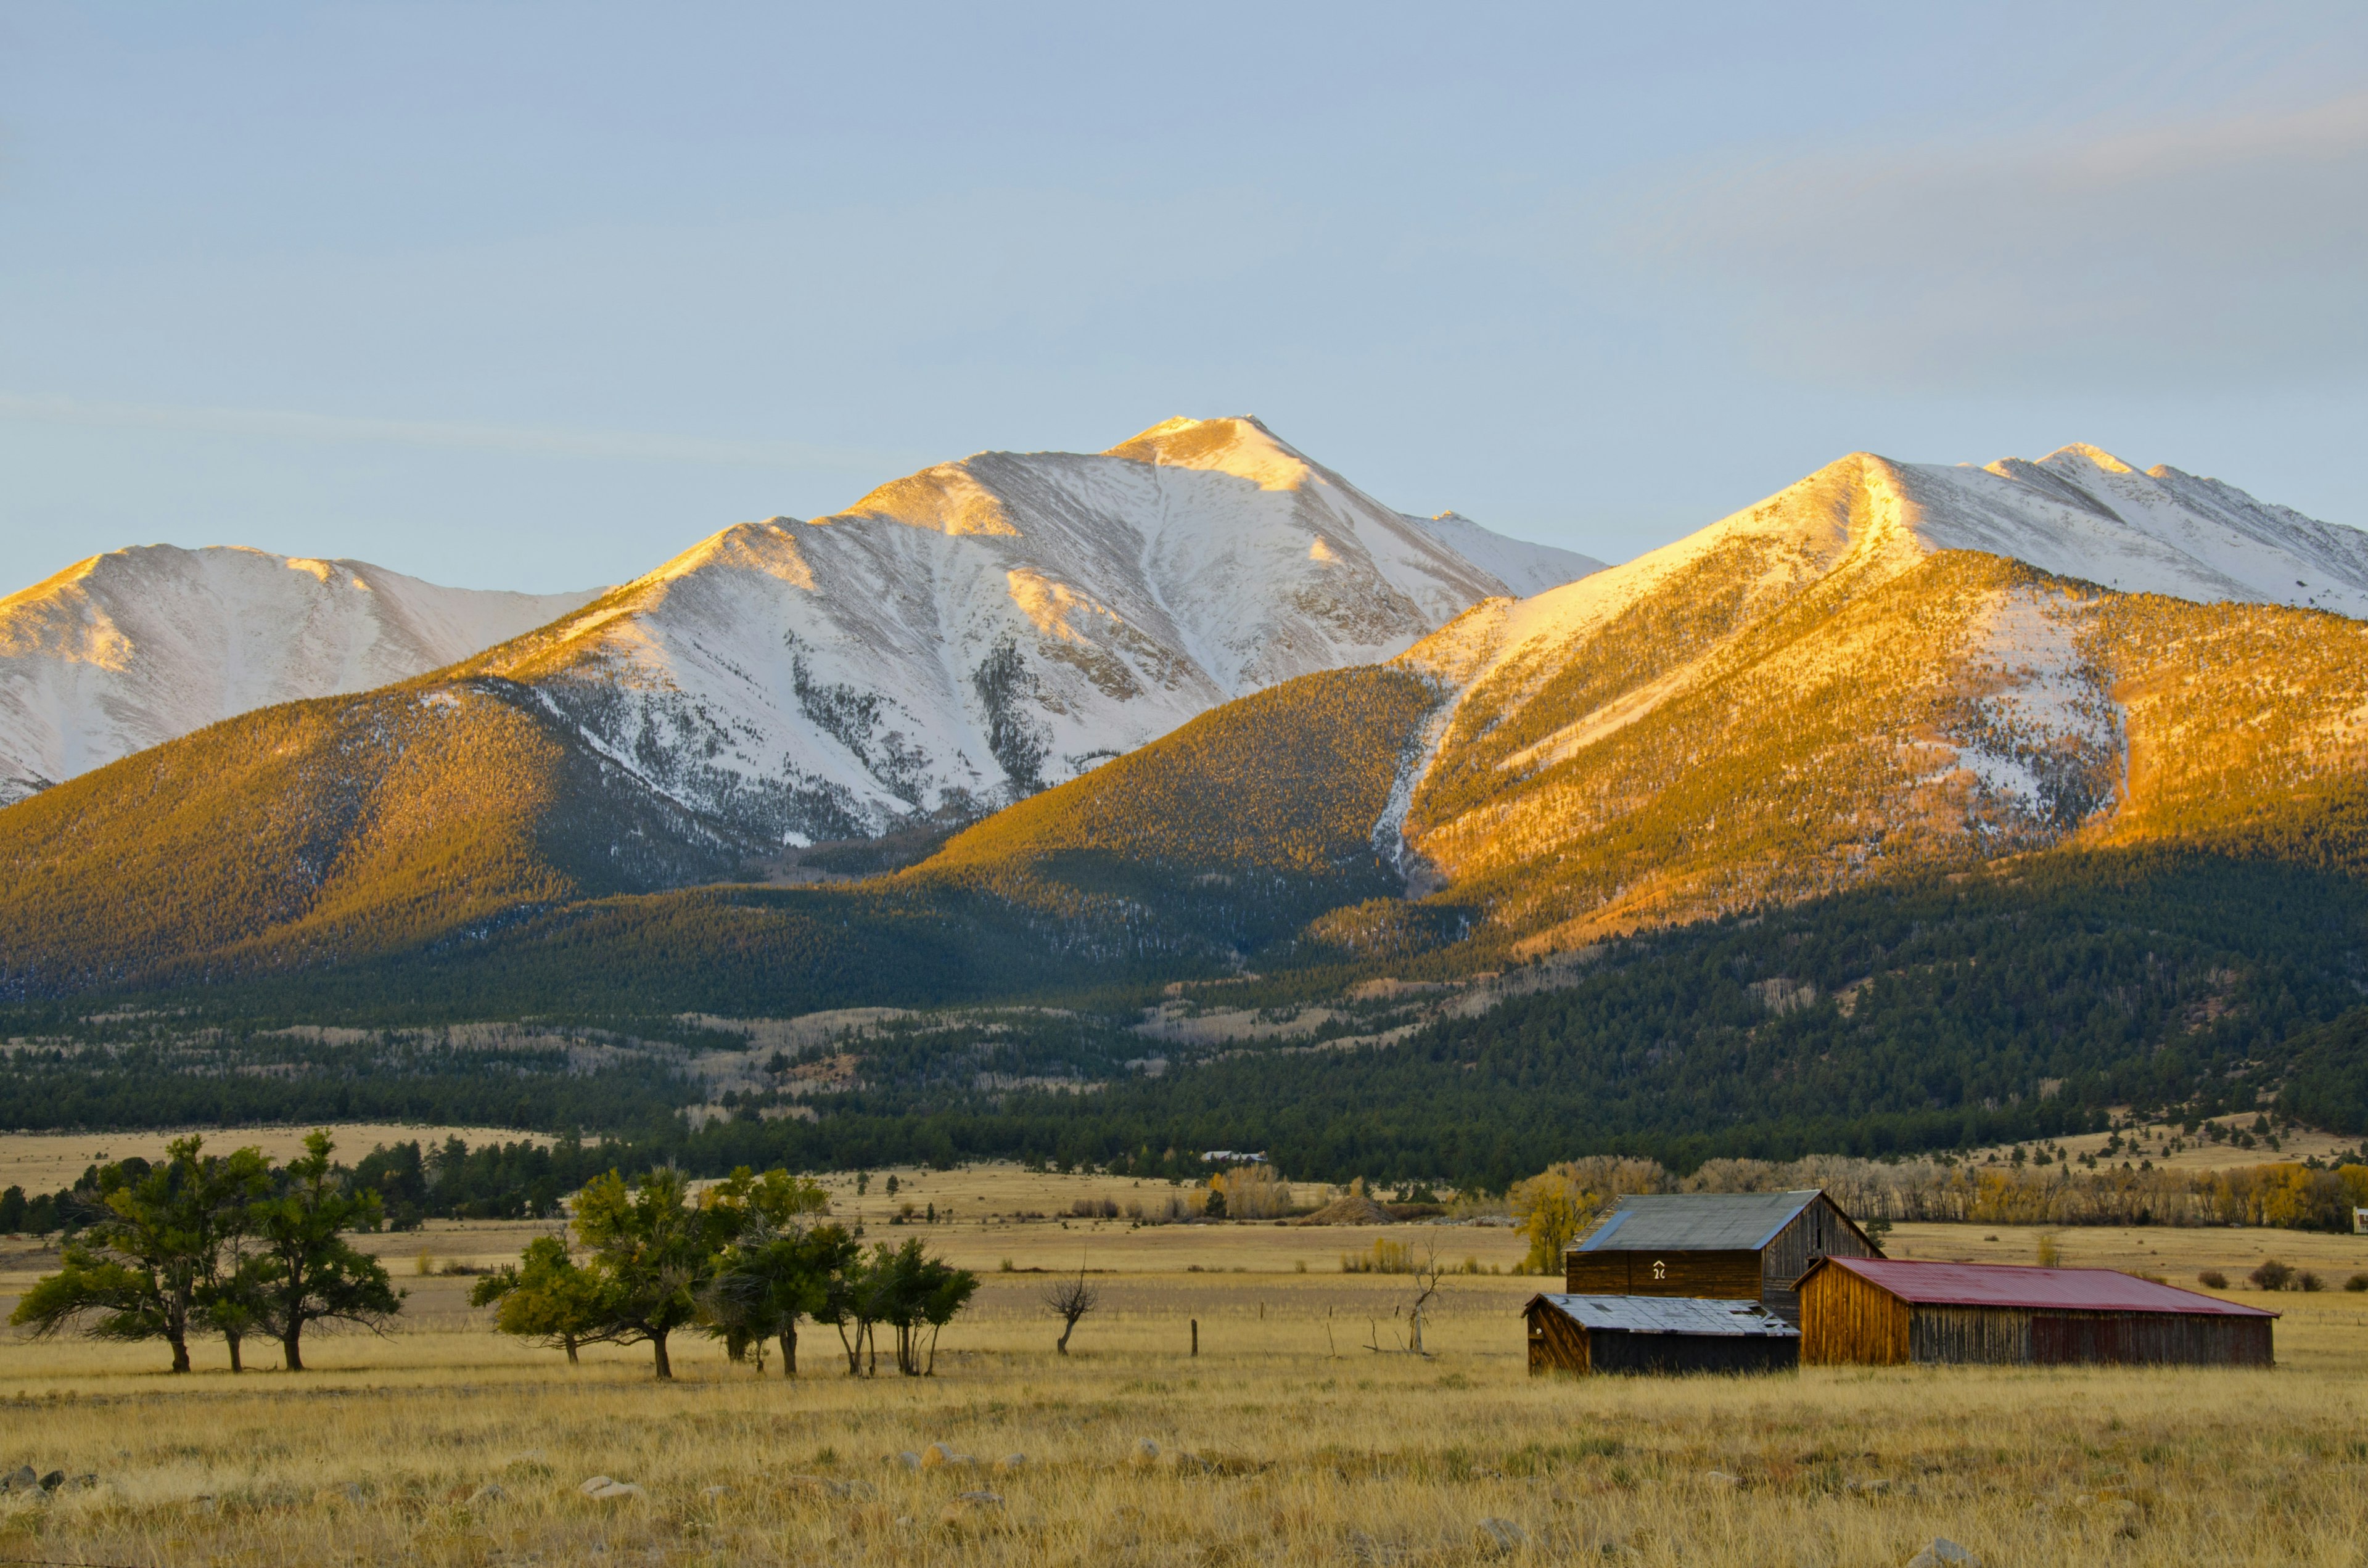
(2015, 1285)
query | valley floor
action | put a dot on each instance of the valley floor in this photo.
(1284, 1441)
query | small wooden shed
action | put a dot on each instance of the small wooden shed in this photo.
(1644, 1333)
(1722, 1245)
(1891, 1312)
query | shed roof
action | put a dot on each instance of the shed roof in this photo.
(1697, 1221)
(1669, 1314)
(2018, 1285)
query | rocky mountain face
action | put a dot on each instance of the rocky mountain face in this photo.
(977, 631)
(130, 649)
(1883, 669)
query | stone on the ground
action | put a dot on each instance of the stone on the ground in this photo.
(1875, 1488)
(1145, 1451)
(909, 1460)
(488, 1493)
(21, 1476)
(970, 1505)
(1010, 1462)
(594, 1484)
(1942, 1552)
(617, 1492)
(714, 1492)
(52, 1481)
(935, 1455)
(1721, 1478)
(1496, 1537)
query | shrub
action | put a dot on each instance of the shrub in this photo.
(2357, 1282)
(2271, 1274)
(2213, 1279)
(2307, 1281)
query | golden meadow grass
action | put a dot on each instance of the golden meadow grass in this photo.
(1305, 1448)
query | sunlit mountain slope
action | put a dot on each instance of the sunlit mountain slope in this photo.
(1883, 669)
(136, 646)
(966, 635)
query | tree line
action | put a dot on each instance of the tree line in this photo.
(218, 1244)
(744, 1261)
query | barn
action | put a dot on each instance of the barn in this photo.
(1885, 1312)
(1647, 1333)
(1724, 1247)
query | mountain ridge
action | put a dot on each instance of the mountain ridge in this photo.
(133, 647)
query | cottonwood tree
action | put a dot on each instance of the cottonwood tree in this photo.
(779, 1267)
(652, 1252)
(545, 1298)
(309, 1272)
(1071, 1301)
(143, 1270)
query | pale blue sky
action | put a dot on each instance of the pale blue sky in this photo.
(532, 296)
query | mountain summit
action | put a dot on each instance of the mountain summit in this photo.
(978, 631)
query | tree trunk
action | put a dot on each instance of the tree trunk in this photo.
(290, 1348)
(932, 1371)
(180, 1352)
(658, 1349)
(569, 1343)
(1068, 1327)
(790, 1351)
(232, 1340)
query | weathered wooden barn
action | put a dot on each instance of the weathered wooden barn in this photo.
(1722, 1245)
(1646, 1333)
(1883, 1311)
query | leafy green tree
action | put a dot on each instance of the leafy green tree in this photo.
(652, 1251)
(236, 1301)
(311, 1273)
(143, 1268)
(778, 1268)
(909, 1291)
(12, 1210)
(545, 1298)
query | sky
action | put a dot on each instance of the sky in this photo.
(533, 296)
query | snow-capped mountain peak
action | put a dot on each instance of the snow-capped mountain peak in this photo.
(131, 648)
(984, 628)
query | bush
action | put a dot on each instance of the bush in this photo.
(2357, 1282)
(2271, 1274)
(2307, 1281)
(2213, 1279)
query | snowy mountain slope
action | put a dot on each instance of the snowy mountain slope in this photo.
(1864, 673)
(983, 629)
(1523, 567)
(131, 648)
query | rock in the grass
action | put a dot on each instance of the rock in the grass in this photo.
(617, 1492)
(52, 1481)
(823, 1486)
(1496, 1537)
(1942, 1552)
(1010, 1462)
(909, 1460)
(1193, 1462)
(594, 1484)
(1145, 1451)
(18, 1478)
(488, 1493)
(714, 1492)
(205, 1501)
(1721, 1478)
(1875, 1488)
(84, 1482)
(935, 1455)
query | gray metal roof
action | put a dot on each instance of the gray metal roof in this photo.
(1696, 1222)
(1670, 1314)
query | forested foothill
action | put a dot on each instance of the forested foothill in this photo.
(2012, 1004)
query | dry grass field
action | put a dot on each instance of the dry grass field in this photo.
(1284, 1441)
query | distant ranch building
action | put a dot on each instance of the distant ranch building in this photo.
(1597, 1334)
(1885, 1312)
(1724, 1247)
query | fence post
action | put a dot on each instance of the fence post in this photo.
(1196, 1336)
